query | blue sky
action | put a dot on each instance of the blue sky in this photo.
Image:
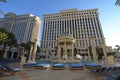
(109, 14)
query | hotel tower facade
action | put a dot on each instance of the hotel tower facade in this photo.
(79, 24)
(24, 27)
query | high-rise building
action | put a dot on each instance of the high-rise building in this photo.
(81, 24)
(24, 27)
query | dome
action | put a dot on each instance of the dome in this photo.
(10, 14)
(66, 35)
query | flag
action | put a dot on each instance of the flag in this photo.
(3, 1)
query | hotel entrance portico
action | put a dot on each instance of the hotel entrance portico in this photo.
(65, 46)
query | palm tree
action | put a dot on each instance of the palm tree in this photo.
(117, 47)
(117, 2)
(27, 45)
(3, 1)
(1, 13)
(4, 31)
(3, 37)
(12, 41)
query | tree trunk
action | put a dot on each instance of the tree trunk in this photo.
(4, 47)
(3, 50)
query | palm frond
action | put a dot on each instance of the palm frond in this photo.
(3, 1)
(117, 2)
(1, 13)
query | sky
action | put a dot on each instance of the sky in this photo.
(109, 13)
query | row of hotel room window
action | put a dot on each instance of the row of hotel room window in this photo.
(80, 43)
(71, 14)
(82, 50)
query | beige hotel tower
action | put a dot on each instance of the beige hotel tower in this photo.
(69, 32)
(24, 27)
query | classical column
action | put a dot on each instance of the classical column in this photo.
(89, 55)
(23, 59)
(93, 49)
(34, 51)
(11, 57)
(104, 49)
(46, 54)
(65, 49)
(30, 54)
(59, 51)
(72, 51)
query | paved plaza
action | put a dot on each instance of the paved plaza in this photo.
(48, 74)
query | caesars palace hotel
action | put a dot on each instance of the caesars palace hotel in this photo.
(25, 28)
(71, 23)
